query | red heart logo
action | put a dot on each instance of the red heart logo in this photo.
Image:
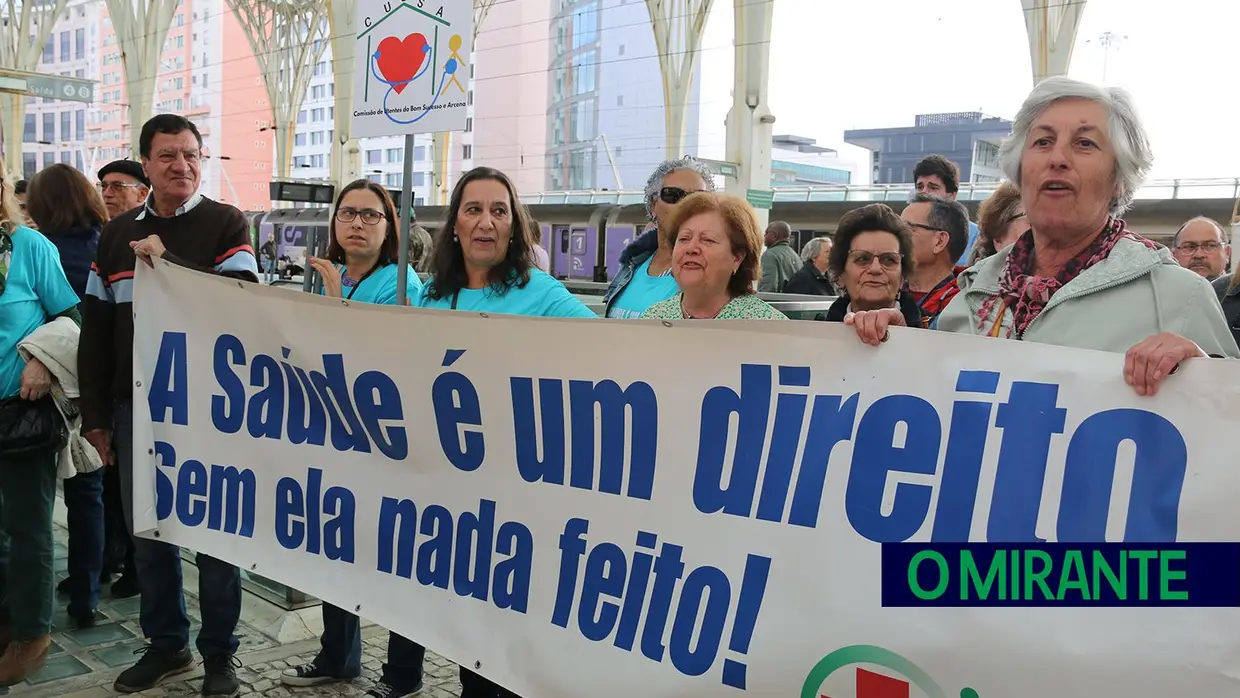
(400, 59)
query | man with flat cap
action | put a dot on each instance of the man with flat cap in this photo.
(124, 186)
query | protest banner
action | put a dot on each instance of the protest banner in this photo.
(612, 509)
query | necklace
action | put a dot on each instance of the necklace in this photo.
(684, 314)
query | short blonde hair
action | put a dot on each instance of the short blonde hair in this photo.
(741, 223)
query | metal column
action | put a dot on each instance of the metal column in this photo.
(678, 26)
(750, 120)
(1051, 26)
(346, 153)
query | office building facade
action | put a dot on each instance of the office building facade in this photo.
(969, 139)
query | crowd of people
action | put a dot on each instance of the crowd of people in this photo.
(1048, 257)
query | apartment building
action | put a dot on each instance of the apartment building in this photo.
(55, 130)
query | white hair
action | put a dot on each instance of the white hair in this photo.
(1133, 156)
(813, 248)
(655, 183)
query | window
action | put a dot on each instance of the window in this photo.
(419, 179)
(49, 126)
(467, 151)
(469, 124)
(395, 155)
(419, 153)
(469, 98)
(77, 156)
(621, 49)
(619, 100)
(28, 134)
(301, 116)
(49, 159)
(373, 157)
(79, 118)
(49, 51)
(299, 139)
(418, 201)
(79, 44)
(316, 160)
(318, 92)
(66, 127)
(66, 157)
(30, 164)
(299, 161)
(79, 73)
(64, 46)
(393, 179)
(316, 115)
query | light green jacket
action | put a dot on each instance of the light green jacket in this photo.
(1134, 293)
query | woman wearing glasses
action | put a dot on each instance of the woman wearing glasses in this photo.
(645, 274)
(871, 258)
(362, 254)
(362, 267)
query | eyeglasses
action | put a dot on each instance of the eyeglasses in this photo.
(1192, 247)
(674, 195)
(923, 227)
(369, 215)
(863, 259)
(117, 187)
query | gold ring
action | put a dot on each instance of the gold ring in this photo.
(886, 335)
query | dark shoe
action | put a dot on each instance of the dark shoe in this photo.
(87, 620)
(308, 675)
(63, 587)
(220, 676)
(126, 587)
(6, 635)
(154, 666)
(383, 690)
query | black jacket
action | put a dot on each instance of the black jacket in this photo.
(908, 307)
(808, 281)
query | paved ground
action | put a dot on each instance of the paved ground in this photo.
(83, 663)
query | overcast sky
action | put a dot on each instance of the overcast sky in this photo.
(840, 64)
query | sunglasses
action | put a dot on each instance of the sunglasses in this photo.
(674, 195)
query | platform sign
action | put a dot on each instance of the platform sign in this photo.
(760, 198)
(60, 87)
(412, 66)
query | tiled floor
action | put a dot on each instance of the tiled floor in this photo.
(84, 663)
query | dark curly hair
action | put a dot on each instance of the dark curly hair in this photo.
(869, 219)
(941, 167)
(447, 262)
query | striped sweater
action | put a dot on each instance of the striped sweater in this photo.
(205, 235)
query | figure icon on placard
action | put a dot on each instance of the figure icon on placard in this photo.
(454, 61)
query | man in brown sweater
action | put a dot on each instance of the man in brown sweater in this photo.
(183, 227)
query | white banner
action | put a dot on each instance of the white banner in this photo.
(621, 509)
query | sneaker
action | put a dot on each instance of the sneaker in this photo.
(307, 675)
(383, 690)
(220, 676)
(23, 658)
(155, 665)
(126, 587)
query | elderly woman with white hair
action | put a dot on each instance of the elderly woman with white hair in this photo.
(1078, 277)
(645, 274)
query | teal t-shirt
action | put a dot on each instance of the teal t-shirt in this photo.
(380, 287)
(642, 291)
(543, 296)
(35, 290)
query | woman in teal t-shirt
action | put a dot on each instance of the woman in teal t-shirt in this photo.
(361, 262)
(481, 258)
(361, 266)
(33, 290)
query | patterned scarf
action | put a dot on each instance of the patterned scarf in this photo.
(1026, 295)
(6, 254)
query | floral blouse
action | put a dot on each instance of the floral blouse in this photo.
(746, 307)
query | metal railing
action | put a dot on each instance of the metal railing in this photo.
(1161, 189)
